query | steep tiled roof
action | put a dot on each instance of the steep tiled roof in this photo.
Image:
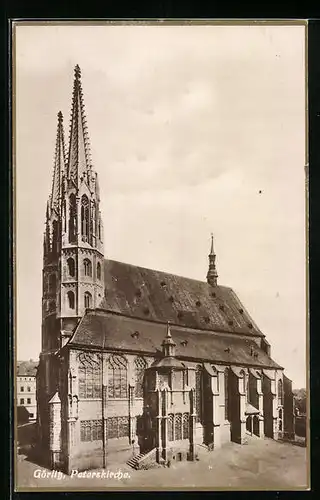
(158, 296)
(27, 368)
(99, 329)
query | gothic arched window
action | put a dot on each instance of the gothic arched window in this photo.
(72, 218)
(178, 426)
(71, 267)
(64, 214)
(99, 271)
(70, 299)
(198, 394)
(93, 218)
(85, 218)
(280, 393)
(90, 380)
(87, 300)
(87, 267)
(117, 377)
(140, 365)
(185, 426)
(170, 427)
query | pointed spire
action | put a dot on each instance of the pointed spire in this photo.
(212, 275)
(168, 345)
(59, 165)
(79, 149)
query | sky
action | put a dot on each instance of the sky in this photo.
(193, 130)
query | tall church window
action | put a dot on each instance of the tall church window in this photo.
(117, 377)
(280, 421)
(99, 271)
(253, 397)
(72, 218)
(90, 380)
(71, 267)
(64, 214)
(93, 218)
(170, 427)
(87, 267)
(185, 426)
(198, 394)
(178, 426)
(87, 300)
(139, 368)
(280, 393)
(85, 218)
(226, 394)
(70, 299)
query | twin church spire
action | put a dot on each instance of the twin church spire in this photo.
(74, 178)
(77, 165)
(73, 270)
(59, 165)
(74, 171)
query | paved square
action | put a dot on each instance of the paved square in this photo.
(261, 464)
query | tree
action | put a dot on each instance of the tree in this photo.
(300, 400)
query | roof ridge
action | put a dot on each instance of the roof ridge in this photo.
(168, 273)
(215, 331)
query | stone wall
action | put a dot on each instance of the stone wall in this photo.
(78, 453)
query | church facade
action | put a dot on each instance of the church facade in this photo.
(138, 365)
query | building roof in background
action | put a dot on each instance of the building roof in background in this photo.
(158, 296)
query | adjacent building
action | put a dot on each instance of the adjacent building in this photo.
(26, 391)
(139, 365)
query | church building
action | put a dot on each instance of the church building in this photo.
(139, 366)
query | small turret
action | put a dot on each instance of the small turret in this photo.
(212, 275)
(168, 345)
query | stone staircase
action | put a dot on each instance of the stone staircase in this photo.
(134, 461)
(145, 460)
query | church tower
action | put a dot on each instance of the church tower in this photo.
(73, 274)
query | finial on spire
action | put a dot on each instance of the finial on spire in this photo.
(212, 275)
(60, 117)
(211, 249)
(77, 72)
(168, 330)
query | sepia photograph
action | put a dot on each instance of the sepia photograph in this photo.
(160, 250)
